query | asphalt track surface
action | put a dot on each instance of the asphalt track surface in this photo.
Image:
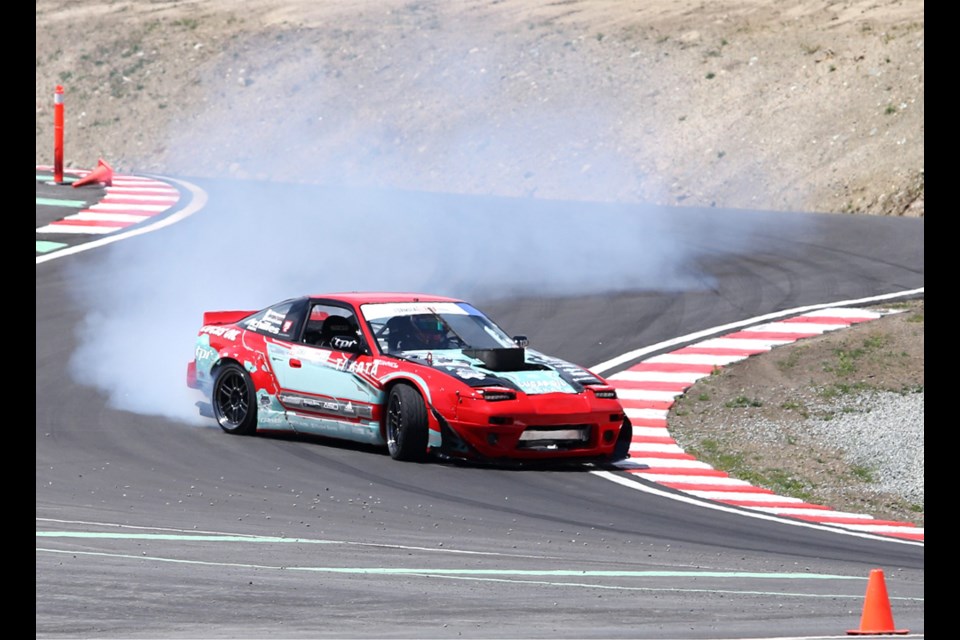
(148, 528)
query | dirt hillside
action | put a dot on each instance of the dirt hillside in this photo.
(765, 104)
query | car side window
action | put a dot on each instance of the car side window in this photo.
(332, 327)
(280, 321)
(314, 325)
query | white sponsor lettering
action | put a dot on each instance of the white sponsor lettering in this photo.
(388, 309)
(216, 330)
(356, 366)
(468, 374)
(543, 386)
(342, 342)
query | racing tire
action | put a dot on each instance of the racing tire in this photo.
(407, 429)
(621, 449)
(234, 400)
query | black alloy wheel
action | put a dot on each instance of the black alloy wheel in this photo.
(234, 400)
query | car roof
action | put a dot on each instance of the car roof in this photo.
(361, 297)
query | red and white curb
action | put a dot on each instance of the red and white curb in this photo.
(128, 201)
(649, 389)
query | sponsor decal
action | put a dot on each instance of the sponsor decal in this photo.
(342, 343)
(543, 386)
(270, 322)
(356, 366)
(388, 309)
(310, 354)
(534, 382)
(223, 332)
(326, 358)
(565, 368)
(326, 406)
(204, 354)
(466, 373)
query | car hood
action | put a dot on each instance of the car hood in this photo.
(518, 368)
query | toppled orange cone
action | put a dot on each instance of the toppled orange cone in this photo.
(877, 618)
(103, 173)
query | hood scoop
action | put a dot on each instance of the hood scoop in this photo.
(508, 359)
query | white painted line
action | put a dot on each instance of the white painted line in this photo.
(146, 189)
(820, 513)
(645, 414)
(657, 474)
(657, 376)
(129, 218)
(845, 312)
(732, 496)
(78, 229)
(650, 431)
(671, 463)
(800, 510)
(651, 447)
(740, 343)
(106, 206)
(882, 528)
(801, 328)
(718, 481)
(695, 359)
(644, 394)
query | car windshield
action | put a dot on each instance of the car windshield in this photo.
(417, 326)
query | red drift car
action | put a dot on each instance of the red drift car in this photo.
(418, 373)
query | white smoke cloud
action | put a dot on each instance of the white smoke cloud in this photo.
(381, 213)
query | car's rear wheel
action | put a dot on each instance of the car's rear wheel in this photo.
(234, 400)
(621, 450)
(407, 429)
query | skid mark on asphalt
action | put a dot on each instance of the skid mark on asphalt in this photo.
(648, 389)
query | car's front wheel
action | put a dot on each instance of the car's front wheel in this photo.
(407, 429)
(234, 400)
(621, 450)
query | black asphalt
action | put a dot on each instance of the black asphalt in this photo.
(150, 526)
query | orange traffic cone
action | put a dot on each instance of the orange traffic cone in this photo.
(877, 619)
(103, 173)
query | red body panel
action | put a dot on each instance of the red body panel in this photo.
(225, 317)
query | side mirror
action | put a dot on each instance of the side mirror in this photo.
(521, 341)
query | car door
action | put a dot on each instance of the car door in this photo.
(327, 381)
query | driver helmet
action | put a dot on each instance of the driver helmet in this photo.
(428, 330)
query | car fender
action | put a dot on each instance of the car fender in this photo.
(434, 386)
(252, 361)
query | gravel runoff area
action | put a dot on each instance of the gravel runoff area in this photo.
(885, 432)
(882, 431)
(835, 419)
